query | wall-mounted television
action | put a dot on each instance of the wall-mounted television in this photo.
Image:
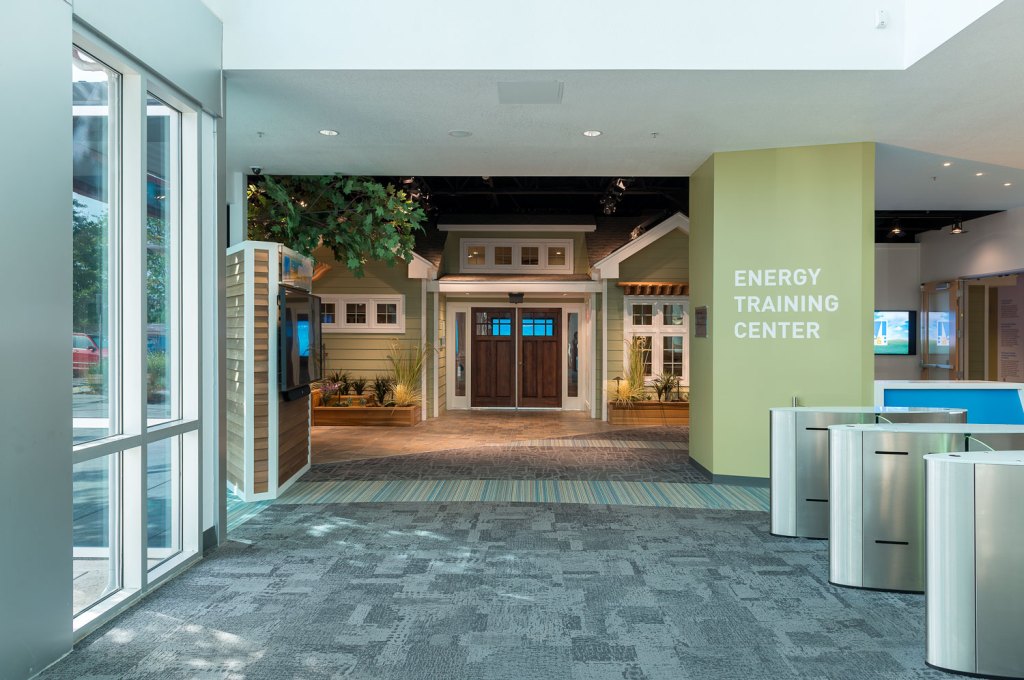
(298, 341)
(895, 332)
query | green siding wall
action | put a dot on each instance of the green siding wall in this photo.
(666, 260)
(615, 339)
(365, 354)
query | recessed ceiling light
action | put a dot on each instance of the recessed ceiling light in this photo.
(460, 133)
(1007, 184)
(591, 133)
(947, 164)
(978, 174)
(329, 133)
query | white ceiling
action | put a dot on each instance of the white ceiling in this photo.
(962, 101)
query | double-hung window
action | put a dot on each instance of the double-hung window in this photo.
(662, 323)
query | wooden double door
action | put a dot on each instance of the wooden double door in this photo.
(516, 357)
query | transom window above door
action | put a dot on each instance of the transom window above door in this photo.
(517, 256)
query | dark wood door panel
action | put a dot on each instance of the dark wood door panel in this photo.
(493, 357)
(540, 356)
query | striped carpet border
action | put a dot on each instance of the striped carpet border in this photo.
(643, 494)
(594, 444)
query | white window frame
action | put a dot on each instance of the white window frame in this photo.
(134, 433)
(657, 330)
(517, 266)
(341, 324)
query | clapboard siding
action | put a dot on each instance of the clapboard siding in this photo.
(665, 260)
(292, 438)
(235, 355)
(261, 354)
(365, 354)
(616, 345)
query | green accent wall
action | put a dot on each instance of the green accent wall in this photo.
(808, 209)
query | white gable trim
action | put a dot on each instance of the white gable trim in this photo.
(421, 268)
(608, 268)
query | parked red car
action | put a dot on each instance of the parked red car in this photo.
(84, 353)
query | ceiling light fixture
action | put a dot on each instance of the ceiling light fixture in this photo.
(978, 174)
(1007, 184)
(460, 133)
(591, 133)
(329, 133)
(958, 227)
(896, 230)
(947, 164)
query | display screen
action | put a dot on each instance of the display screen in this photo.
(895, 332)
(298, 338)
(938, 332)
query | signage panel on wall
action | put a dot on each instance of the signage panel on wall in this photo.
(783, 304)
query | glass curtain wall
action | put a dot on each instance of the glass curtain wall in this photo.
(135, 216)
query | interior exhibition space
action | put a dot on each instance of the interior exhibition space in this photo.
(560, 340)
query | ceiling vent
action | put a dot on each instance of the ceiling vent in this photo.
(530, 92)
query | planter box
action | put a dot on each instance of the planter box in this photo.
(375, 416)
(650, 413)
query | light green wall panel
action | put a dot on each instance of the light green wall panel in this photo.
(616, 347)
(666, 260)
(702, 242)
(808, 209)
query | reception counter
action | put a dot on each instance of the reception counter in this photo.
(799, 458)
(876, 485)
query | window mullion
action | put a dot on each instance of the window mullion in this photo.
(133, 259)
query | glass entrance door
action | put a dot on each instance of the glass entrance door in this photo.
(940, 330)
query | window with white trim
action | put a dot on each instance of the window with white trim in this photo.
(362, 313)
(517, 256)
(663, 323)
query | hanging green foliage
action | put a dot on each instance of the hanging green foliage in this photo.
(358, 219)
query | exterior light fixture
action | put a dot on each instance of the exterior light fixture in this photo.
(329, 133)
(591, 133)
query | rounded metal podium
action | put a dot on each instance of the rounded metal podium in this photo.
(975, 560)
(799, 458)
(876, 483)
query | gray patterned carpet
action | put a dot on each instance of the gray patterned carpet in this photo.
(521, 591)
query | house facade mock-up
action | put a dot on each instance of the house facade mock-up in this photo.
(518, 315)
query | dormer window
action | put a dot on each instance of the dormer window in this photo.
(517, 256)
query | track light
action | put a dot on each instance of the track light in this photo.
(896, 230)
(958, 227)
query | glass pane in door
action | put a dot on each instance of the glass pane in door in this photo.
(460, 354)
(573, 351)
(939, 330)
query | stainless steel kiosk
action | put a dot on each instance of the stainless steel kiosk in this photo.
(799, 458)
(975, 588)
(876, 482)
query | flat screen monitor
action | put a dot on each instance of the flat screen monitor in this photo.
(298, 339)
(895, 332)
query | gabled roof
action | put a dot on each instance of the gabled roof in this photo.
(608, 266)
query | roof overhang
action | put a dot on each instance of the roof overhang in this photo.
(608, 268)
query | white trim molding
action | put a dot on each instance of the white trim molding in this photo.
(577, 287)
(608, 267)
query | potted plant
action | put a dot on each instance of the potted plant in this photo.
(631, 404)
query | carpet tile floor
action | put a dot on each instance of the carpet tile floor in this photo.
(427, 591)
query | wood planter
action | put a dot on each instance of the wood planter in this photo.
(650, 413)
(376, 416)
